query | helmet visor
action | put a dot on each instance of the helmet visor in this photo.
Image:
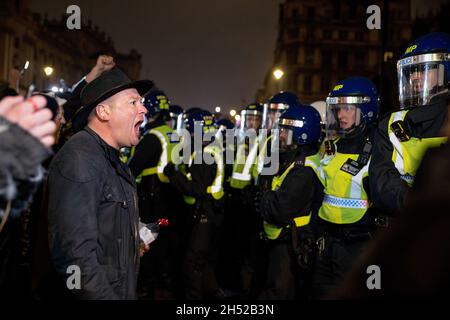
(250, 119)
(272, 113)
(342, 119)
(286, 138)
(420, 78)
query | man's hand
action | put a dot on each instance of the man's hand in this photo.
(143, 249)
(31, 115)
(104, 63)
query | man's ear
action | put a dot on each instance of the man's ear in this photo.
(103, 112)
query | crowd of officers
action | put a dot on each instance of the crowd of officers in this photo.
(242, 231)
(308, 189)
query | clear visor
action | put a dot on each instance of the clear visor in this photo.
(272, 113)
(286, 132)
(181, 122)
(173, 120)
(250, 119)
(286, 138)
(420, 78)
(341, 119)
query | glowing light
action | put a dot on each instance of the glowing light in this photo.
(232, 112)
(48, 71)
(278, 74)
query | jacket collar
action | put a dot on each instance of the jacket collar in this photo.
(436, 109)
(112, 155)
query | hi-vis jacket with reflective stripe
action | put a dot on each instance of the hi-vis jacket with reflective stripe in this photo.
(263, 149)
(344, 175)
(216, 188)
(243, 167)
(163, 134)
(345, 200)
(407, 155)
(301, 218)
(392, 159)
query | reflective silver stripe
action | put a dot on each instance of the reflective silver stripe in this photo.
(241, 176)
(251, 157)
(407, 178)
(347, 100)
(262, 150)
(399, 162)
(278, 106)
(423, 58)
(291, 123)
(311, 164)
(217, 184)
(345, 202)
(249, 161)
(163, 159)
(357, 184)
(250, 113)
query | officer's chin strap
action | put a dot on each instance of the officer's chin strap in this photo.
(5, 215)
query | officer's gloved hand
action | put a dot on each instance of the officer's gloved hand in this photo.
(169, 169)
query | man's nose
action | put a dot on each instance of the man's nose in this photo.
(142, 109)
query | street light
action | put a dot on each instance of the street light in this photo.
(278, 74)
(232, 112)
(21, 73)
(25, 67)
(48, 71)
(218, 109)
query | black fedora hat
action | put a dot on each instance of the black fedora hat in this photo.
(106, 85)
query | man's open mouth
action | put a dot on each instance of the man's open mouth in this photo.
(137, 126)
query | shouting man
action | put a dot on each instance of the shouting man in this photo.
(92, 206)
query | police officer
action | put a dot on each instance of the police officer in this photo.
(273, 109)
(203, 184)
(242, 259)
(296, 192)
(403, 137)
(345, 223)
(251, 121)
(156, 195)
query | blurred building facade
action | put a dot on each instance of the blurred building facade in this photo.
(71, 53)
(323, 41)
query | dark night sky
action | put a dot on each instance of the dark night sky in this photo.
(203, 53)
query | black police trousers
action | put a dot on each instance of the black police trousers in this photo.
(334, 259)
(201, 259)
